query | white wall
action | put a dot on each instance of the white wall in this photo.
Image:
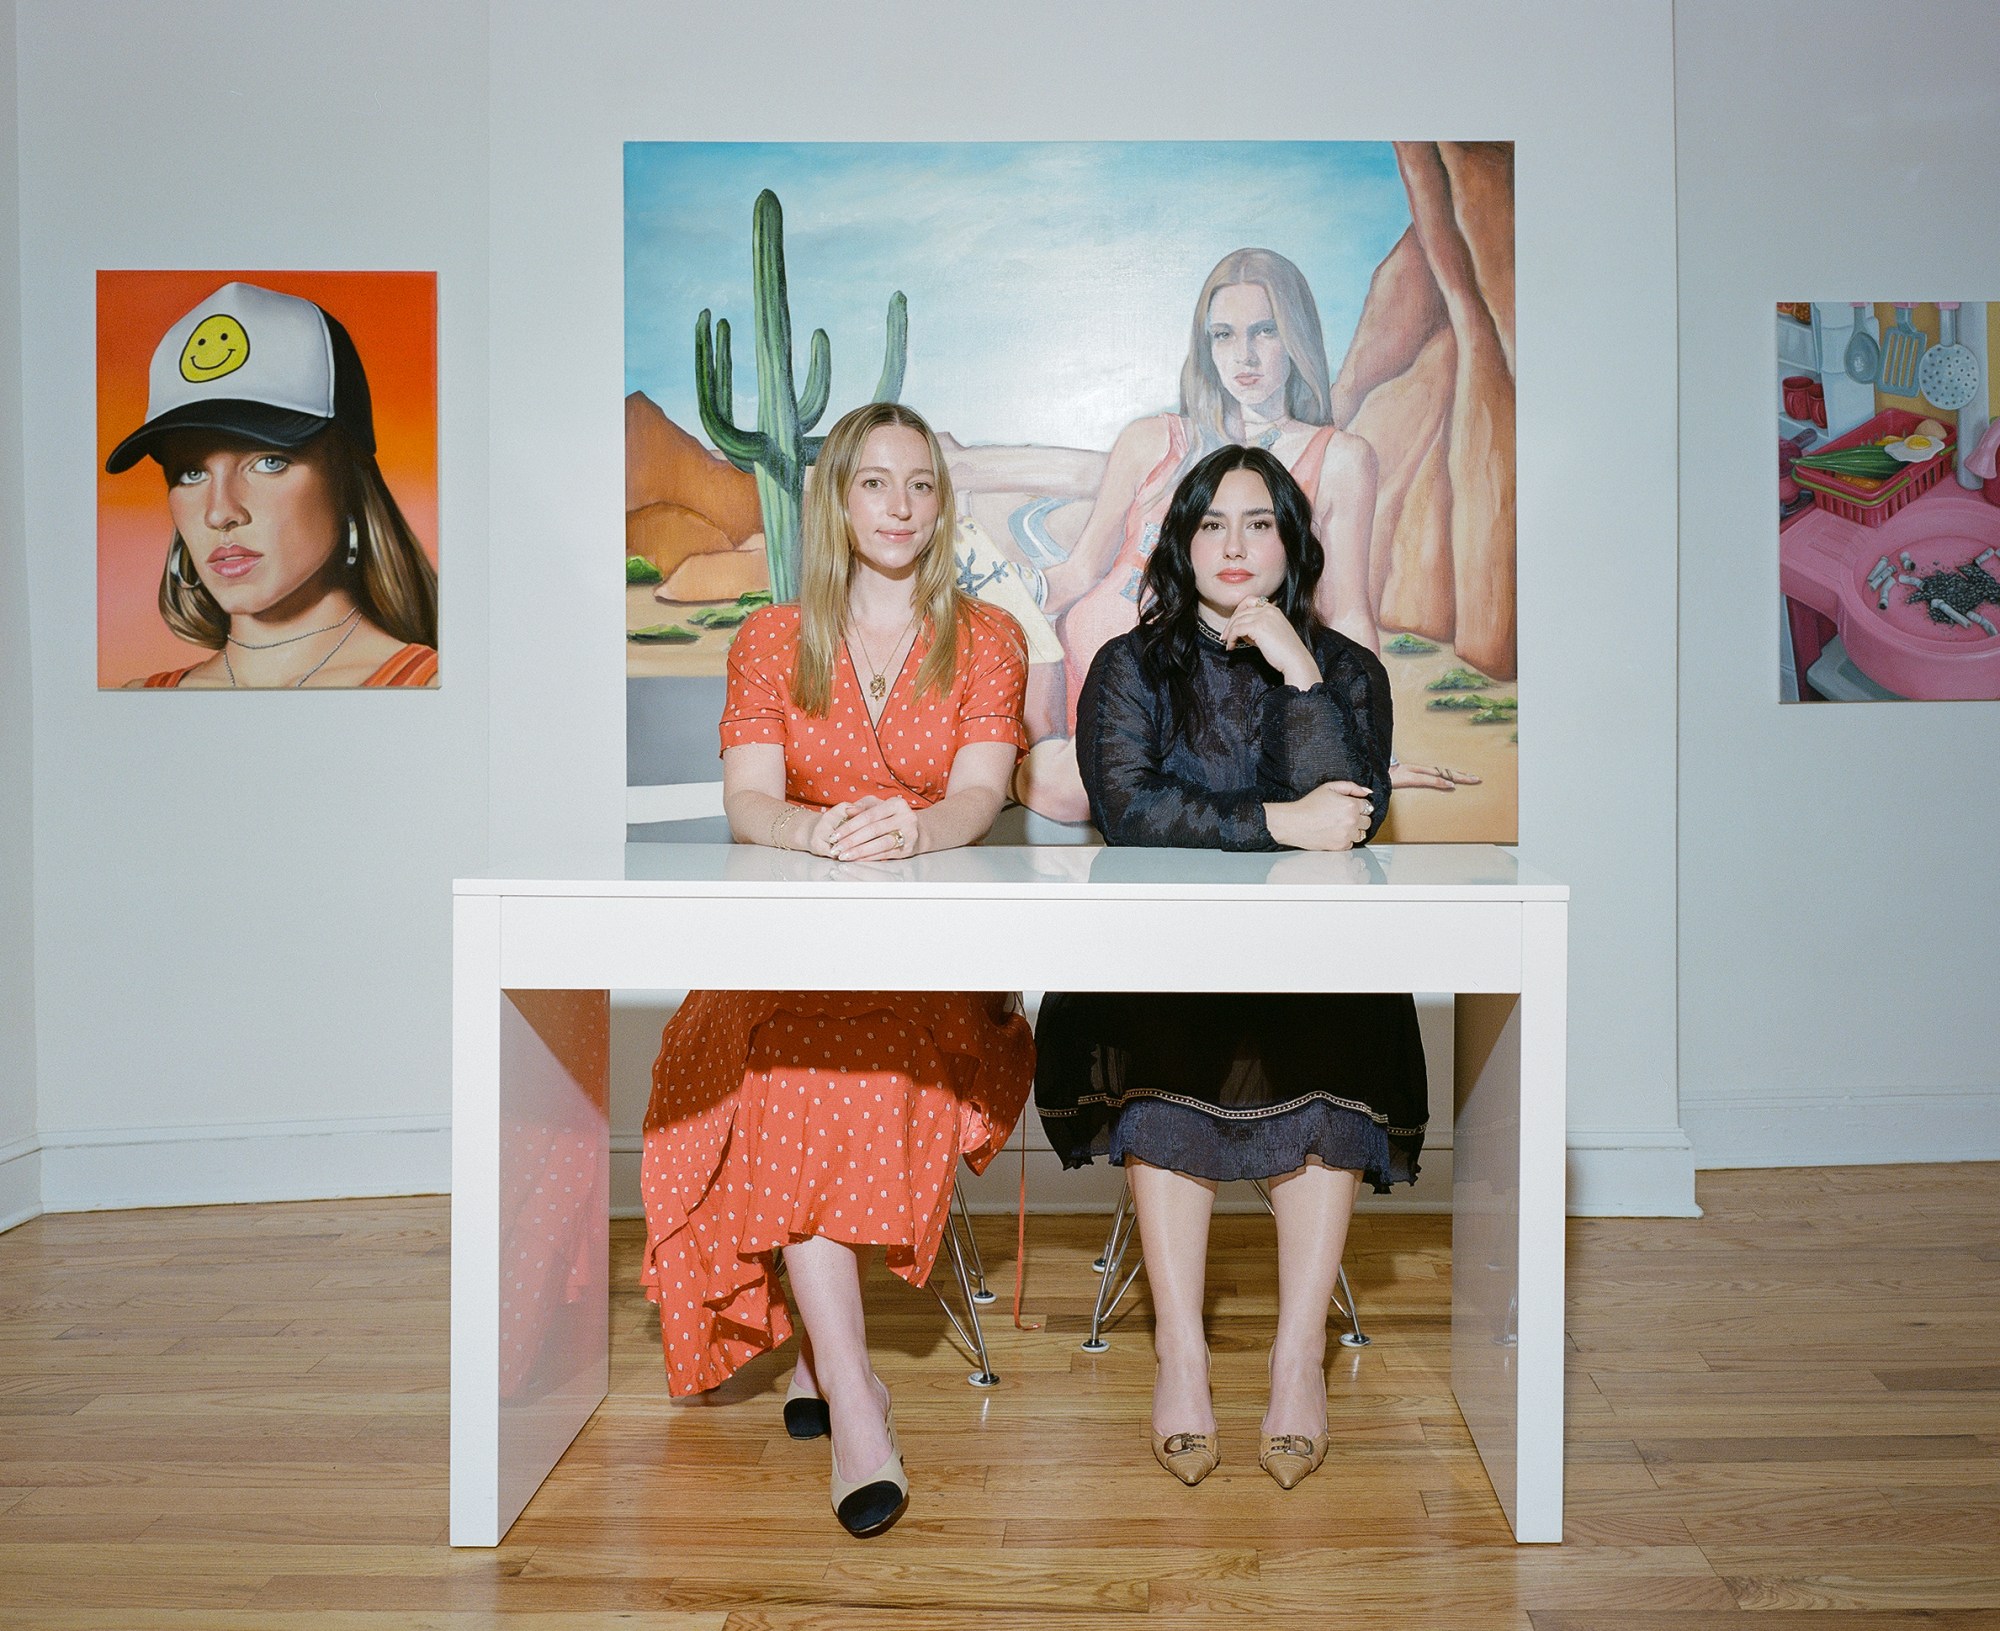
(20, 1161)
(1839, 913)
(240, 910)
(1586, 92)
(237, 926)
(242, 901)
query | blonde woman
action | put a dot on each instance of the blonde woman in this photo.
(877, 719)
(290, 559)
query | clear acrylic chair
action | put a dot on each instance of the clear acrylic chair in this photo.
(1122, 1242)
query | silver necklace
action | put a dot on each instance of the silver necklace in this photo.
(878, 682)
(290, 639)
(230, 668)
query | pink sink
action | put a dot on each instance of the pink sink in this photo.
(1824, 562)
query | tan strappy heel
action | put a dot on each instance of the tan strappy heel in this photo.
(1289, 1457)
(1190, 1457)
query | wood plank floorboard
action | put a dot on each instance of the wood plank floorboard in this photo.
(1784, 1414)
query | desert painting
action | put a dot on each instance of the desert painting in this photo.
(1051, 308)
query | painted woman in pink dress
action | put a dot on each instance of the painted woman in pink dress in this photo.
(1255, 375)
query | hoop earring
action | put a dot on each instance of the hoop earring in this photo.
(177, 556)
(353, 542)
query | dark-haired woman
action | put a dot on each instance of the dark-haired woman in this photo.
(1231, 718)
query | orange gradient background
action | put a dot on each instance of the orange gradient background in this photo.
(392, 317)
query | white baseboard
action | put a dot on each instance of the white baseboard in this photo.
(109, 1169)
(1611, 1174)
(20, 1182)
(1614, 1173)
(1847, 1130)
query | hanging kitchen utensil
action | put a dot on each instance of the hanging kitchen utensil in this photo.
(1949, 374)
(1902, 349)
(1864, 354)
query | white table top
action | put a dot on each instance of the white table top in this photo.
(1430, 872)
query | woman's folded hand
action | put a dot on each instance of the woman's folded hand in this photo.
(1333, 816)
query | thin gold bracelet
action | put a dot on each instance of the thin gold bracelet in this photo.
(782, 826)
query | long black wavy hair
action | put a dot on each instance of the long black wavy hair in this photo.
(1169, 628)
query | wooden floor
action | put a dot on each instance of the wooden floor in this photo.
(1785, 1414)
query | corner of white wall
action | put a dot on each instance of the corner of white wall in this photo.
(1836, 924)
(20, 1165)
(241, 908)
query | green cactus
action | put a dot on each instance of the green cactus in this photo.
(778, 451)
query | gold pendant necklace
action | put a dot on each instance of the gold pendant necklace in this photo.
(878, 682)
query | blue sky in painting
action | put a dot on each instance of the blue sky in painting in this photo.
(1051, 284)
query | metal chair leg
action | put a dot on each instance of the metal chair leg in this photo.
(1343, 1299)
(980, 1294)
(1102, 1261)
(1111, 1290)
(967, 1328)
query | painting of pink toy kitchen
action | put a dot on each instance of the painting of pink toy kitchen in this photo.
(1888, 501)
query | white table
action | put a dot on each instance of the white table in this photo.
(534, 959)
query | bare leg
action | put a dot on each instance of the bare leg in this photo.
(1313, 1206)
(826, 1291)
(1174, 1210)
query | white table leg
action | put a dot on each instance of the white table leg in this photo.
(530, 1237)
(1508, 1153)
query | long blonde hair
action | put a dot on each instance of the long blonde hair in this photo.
(826, 563)
(392, 579)
(1308, 396)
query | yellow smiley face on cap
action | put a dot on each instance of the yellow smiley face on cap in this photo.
(218, 346)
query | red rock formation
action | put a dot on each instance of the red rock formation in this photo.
(667, 534)
(665, 465)
(1429, 381)
(1402, 311)
(1482, 206)
(722, 575)
(1406, 420)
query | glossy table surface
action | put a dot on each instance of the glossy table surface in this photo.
(1387, 872)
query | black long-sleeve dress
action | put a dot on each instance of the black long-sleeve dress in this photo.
(1229, 1085)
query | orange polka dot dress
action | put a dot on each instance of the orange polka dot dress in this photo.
(781, 1115)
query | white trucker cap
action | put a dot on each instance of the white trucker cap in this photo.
(268, 367)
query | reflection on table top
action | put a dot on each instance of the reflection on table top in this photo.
(1388, 872)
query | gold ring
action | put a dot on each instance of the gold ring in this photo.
(899, 840)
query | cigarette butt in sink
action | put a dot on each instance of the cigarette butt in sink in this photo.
(1882, 605)
(1954, 614)
(1876, 580)
(1983, 623)
(1984, 556)
(1911, 579)
(1908, 564)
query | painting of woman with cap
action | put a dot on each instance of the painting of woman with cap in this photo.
(283, 558)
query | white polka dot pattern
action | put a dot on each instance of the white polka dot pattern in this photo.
(909, 752)
(777, 1116)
